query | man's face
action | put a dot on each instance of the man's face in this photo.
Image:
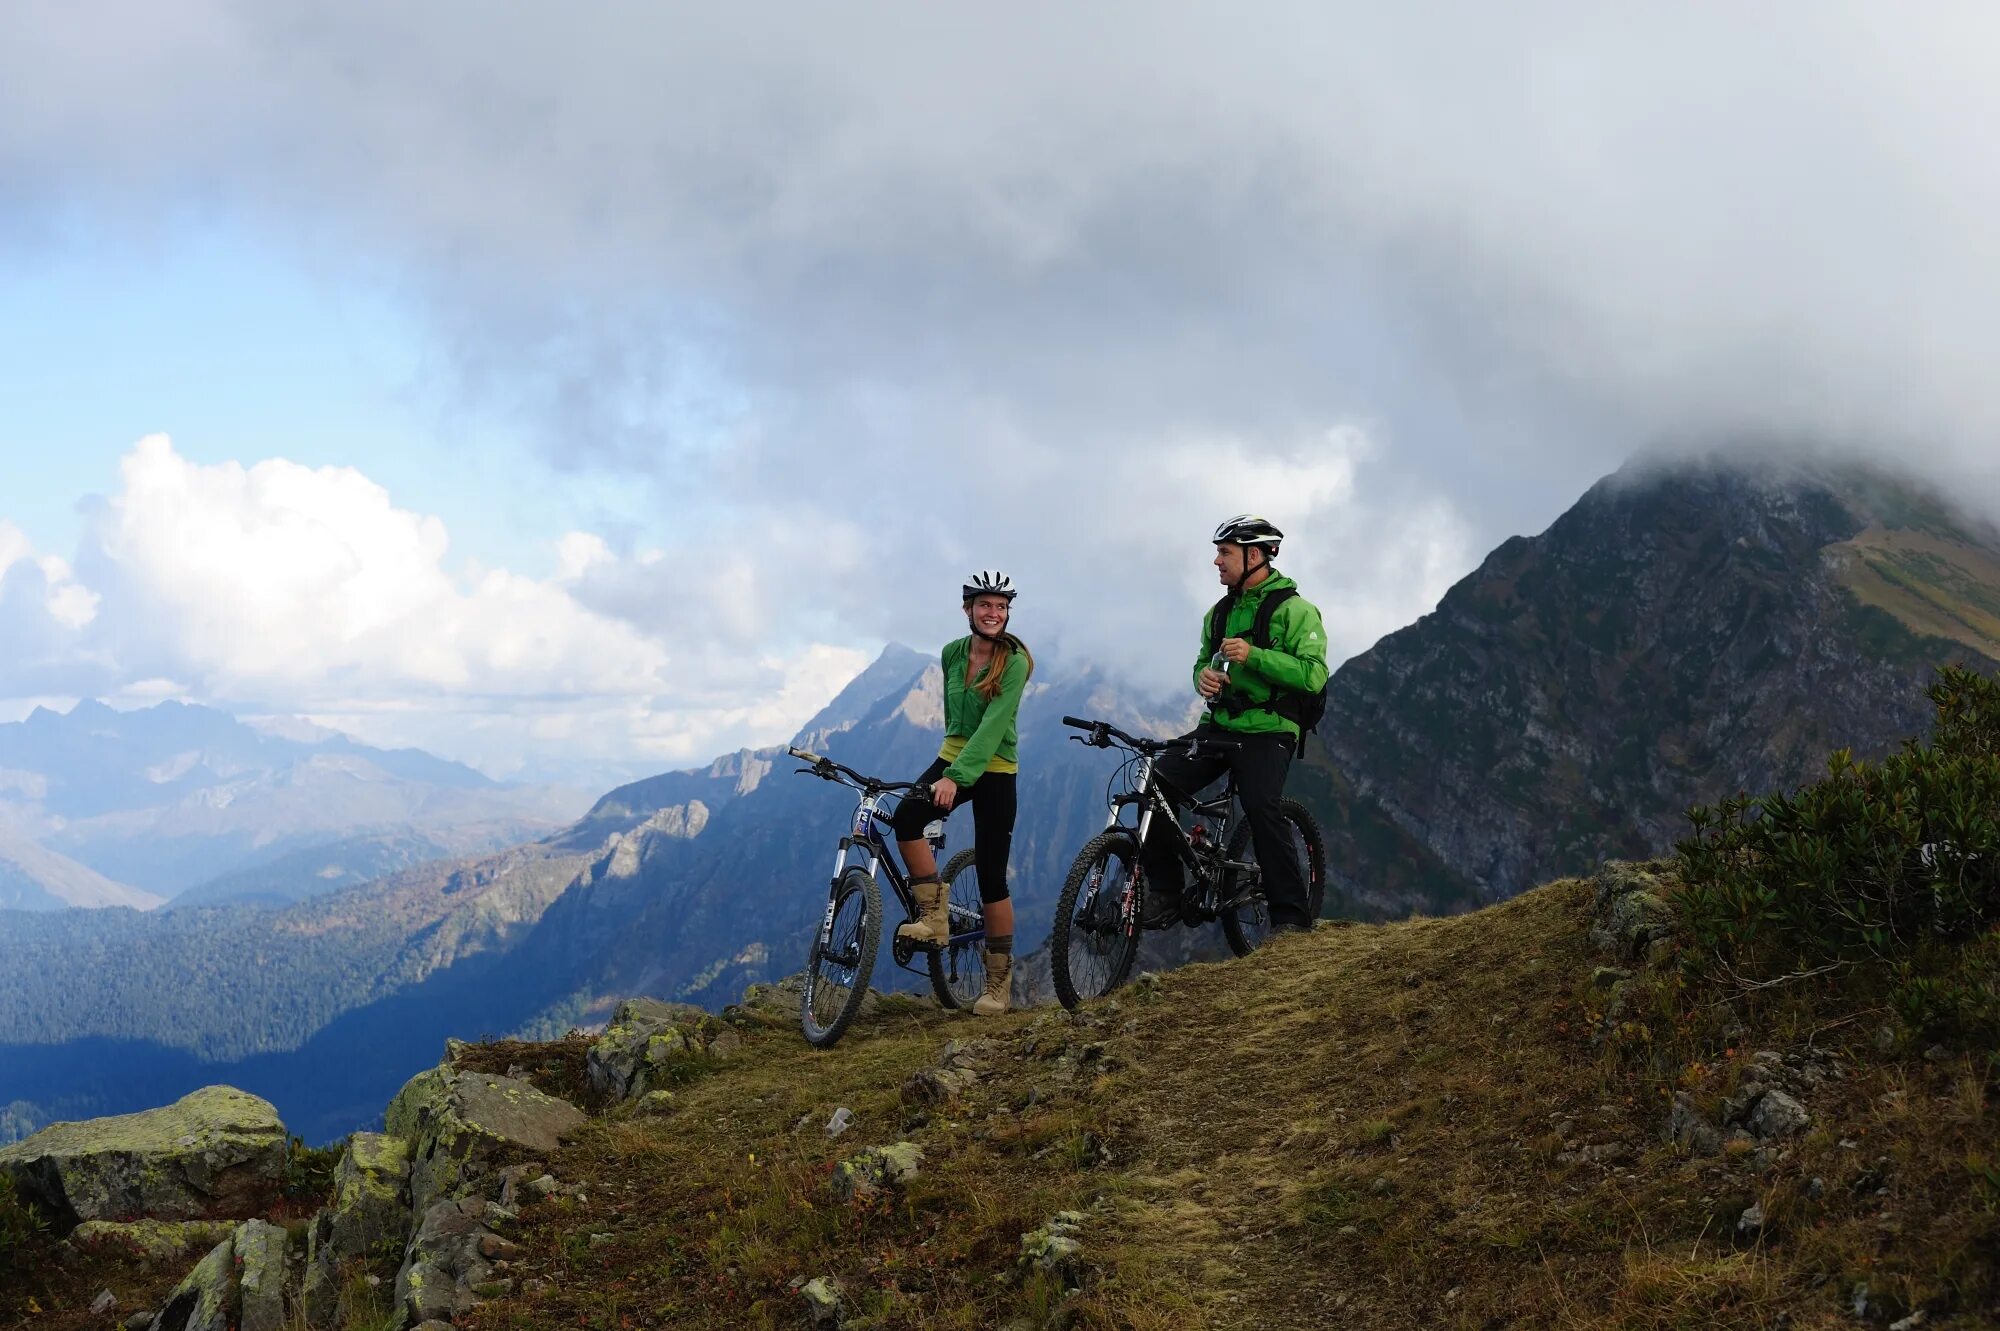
(1229, 563)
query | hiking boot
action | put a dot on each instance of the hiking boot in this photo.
(1160, 910)
(932, 927)
(999, 985)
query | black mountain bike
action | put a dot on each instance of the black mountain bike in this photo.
(1097, 916)
(850, 932)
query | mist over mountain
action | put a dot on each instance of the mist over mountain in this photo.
(148, 804)
(1680, 634)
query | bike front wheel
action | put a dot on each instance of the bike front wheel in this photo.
(1097, 920)
(843, 957)
(958, 969)
(1246, 919)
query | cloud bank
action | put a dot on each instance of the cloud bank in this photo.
(866, 295)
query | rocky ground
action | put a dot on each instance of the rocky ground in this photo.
(1521, 1117)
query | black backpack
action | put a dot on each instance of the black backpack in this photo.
(1303, 709)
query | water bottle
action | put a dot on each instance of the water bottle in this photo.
(934, 833)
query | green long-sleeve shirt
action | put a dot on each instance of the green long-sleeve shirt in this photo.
(1295, 660)
(984, 731)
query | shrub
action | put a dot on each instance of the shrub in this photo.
(1874, 862)
(20, 1225)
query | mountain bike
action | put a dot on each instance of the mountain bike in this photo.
(1098, 913)
(850, 932)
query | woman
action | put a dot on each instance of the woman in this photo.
(984, 675)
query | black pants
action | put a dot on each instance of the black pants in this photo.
(992, 801)
(1259, 766)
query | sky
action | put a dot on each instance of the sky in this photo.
(584, 392)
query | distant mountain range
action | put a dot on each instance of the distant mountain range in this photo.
(101, 807)
(1678, 635)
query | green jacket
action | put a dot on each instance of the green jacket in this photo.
(986, 727)
(1295, 660)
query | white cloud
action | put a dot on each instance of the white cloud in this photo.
(276, 586)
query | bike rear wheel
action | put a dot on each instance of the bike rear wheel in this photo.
(837, 971)
(958, 969)
(1097, 929)
(1247, 923)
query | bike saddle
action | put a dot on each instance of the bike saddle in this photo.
(1215, 808)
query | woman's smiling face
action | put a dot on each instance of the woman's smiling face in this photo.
(989, 613)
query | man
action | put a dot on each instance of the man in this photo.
(1257, 692)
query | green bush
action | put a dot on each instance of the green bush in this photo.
(309, 1170)
(20, 1225)
(1874, 862)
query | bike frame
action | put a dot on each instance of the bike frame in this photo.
(864, 836)
(1145, 793)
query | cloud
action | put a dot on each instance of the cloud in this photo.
(870, 294)
(309, 589)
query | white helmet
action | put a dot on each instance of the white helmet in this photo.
(990, 583)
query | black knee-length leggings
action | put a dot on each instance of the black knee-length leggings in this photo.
(992, 801)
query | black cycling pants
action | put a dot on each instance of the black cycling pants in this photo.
(1259, 766)
(992, 801)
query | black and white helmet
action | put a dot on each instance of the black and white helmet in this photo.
(1249, 529)
(991, 582)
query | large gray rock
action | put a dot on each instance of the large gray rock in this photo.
(459, 1124)
(260, 1276)
(646, 1038)
(206, 1300)
(215, 1153)
(367, 1218)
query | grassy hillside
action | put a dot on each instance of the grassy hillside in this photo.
(1430, 1123)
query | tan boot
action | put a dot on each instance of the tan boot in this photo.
(999, 985)
(932, 927)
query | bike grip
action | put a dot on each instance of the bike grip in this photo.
(802, 755)
(1079, 723)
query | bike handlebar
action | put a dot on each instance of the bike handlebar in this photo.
(1103, 732)
(825, 769)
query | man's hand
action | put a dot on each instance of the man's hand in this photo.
(1237, 650)
(944, 790)
(1210, 683)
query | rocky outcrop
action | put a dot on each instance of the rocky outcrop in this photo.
(238, 1286)
(461, 1125)
(648, 1039)
(217, 1152)
(466, 1132)
(1630, 912)
(367, 1217)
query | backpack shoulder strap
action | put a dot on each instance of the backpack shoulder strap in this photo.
(1260, 633)
(1218, 621)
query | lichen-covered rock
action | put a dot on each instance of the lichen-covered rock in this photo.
(876, 1168)
(150, 1242)
(822, 1298)
(206, 1300)
(647, 1038)
(1631, 909)
(368, 1216)
(216, 1153)
(958, 1068)
(260, 1276)
(458, 1125)
(447, 1260)
(1055, 1248)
